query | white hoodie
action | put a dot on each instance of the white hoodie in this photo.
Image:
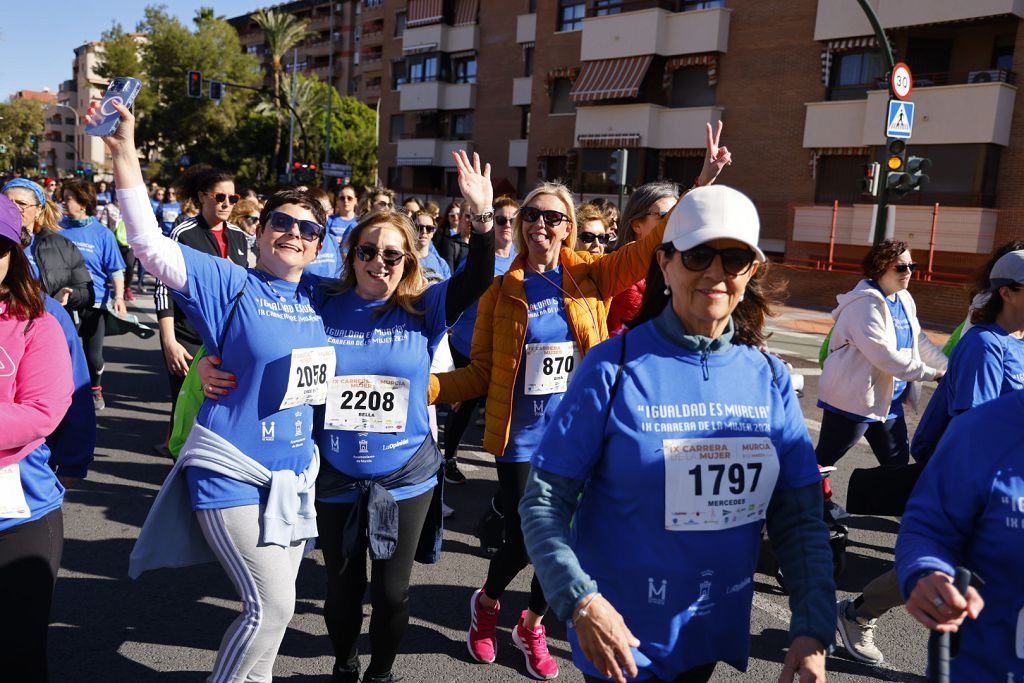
(863, 360)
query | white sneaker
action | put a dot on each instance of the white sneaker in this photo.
(858, 635)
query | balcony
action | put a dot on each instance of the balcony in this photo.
(658, 127)
(526, 28)
(371, 63)
(517, 153)
(441, 37)
(372, 38)
(665, 33)
(949, 114)
(436, 95)
(521, 91)
(430, 151)
(845, 19)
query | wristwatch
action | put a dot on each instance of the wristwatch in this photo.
(485, 217)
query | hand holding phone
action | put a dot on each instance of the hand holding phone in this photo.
(106, 120)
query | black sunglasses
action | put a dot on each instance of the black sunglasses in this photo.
(251, 220)
(278, 221)
(532, 214)
(735, 260)
(904, 267)
(420, 227)
(590, 238)
(502, 220)
(368, 252)
(222, 197)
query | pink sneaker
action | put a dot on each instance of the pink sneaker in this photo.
(534, 646)
(481, 640)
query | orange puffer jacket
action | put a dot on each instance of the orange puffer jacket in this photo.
(500, 331)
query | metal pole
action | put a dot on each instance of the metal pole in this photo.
(330, 99)
(931, 242)
(622, 180)
(291, 129)
(832, 234)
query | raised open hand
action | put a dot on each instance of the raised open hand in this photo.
(716, 158)
(475, 184)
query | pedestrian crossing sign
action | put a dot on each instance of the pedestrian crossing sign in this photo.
(901, 119)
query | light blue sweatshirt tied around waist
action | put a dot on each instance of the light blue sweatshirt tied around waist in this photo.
(171, 536)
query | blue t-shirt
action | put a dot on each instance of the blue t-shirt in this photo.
(257, 349)
(394, 344)
(100, 251)
(967, 509)
(461, 339)
(547, 323)
(433, 262)
(166, 214)
(328, 261)
(685, 594)
(987, 363)
(154, 203)
(102, 198)
(338, 228)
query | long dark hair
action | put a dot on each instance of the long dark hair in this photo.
(200, 178)
(21, 291)
(759, 299)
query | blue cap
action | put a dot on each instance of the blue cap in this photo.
(27, 184)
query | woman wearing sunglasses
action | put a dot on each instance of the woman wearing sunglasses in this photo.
(245, 492)
(644, 508)
(430, 261)
(877, 358)
(533, 326)
(593, 236)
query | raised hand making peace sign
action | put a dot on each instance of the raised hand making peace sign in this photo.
(716, 158)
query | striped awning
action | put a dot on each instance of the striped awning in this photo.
(608, 140)
(419, 49)
(466, 12)
(423, 12)
(682, 153)
(843, 45)
(607, 79)
(843, 151)
(570, 72)
(683, 61)
(415, 161)
(462, 54)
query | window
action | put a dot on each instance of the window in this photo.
(422, 68)
(570, 15)
(69, 137)
(690, 88)
(429, 125)
(462, 126)
(528, 61)
(252, 49)
(70, 156)
(395, 177)
(555, 168)
(524, 125)
(838, 177)
(400, 18)
(1002, 54)
(396, 127)
(531, 7)
(561, 103)
(464, 70)
(69, 121)
(398, 74)
(854, 73)
(605, 7)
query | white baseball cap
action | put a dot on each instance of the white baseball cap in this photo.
(710, 213)
(1008, 270)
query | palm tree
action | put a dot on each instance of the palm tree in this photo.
(282, 32)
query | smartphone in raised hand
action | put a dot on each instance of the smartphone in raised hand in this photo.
(122, 89)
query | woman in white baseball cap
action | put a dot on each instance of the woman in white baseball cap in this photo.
(672, 445)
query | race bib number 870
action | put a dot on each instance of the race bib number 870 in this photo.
(718, 483)
(549, 368)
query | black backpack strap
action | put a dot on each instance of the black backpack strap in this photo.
(771, 366)
(227, 323)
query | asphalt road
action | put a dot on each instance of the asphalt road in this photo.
(166, 626)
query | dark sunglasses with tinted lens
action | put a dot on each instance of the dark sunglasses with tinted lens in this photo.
(251, 220)
(904, 267)
(532, 214)
(222, 197)
(278, 221)
(502, 220)
(735, 260)
(368, 252)
(590, 238)
(420, 227)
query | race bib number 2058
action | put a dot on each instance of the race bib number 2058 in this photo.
(308, 377)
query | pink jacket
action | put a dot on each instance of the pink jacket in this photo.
(35, 383)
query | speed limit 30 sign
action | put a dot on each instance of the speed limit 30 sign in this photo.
(901, 80)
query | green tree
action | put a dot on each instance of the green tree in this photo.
(283, 31)
(21, 129)
(354, 137)
(122, 56)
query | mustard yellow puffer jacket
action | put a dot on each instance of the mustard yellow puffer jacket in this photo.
(500, 331)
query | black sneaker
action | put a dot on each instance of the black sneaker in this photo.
(345, 674)
(452, 475)
(380, 678)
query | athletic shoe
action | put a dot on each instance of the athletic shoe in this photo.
(858, 635)
(533, 643)
(345, 674)
(380, 678)
(129, 295)
(482, 639)
(446, 511)
(452, 475)
(97, 399)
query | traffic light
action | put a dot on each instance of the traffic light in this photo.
(897, 180)
(617, 167)
(917, 168)
(216, 91)
(869, 183)
(43, 171)
(195, 83)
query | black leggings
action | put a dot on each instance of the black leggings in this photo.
(129, 266)
(29, 559)
(92, 330)
(512, 557)
(888, 440)
(389, 585)
(457, 421)
(699, 674)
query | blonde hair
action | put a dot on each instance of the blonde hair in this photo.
(410, 287)
(588, 212)
(48, 217)
(433, 209)
(243, 209)
(562, 193)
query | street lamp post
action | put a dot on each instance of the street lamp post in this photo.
(77, 124)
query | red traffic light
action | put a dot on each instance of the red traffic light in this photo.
(296, 165)
(194, 75)
(312, 167)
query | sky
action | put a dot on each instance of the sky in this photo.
(37, 39)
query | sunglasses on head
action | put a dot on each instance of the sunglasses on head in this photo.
(502, 220)
(735, 260)
(591, 237)
(420, 227)
(905, 267)
(278, 221)
(368, 252)
(221, 197)
(532, 214)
